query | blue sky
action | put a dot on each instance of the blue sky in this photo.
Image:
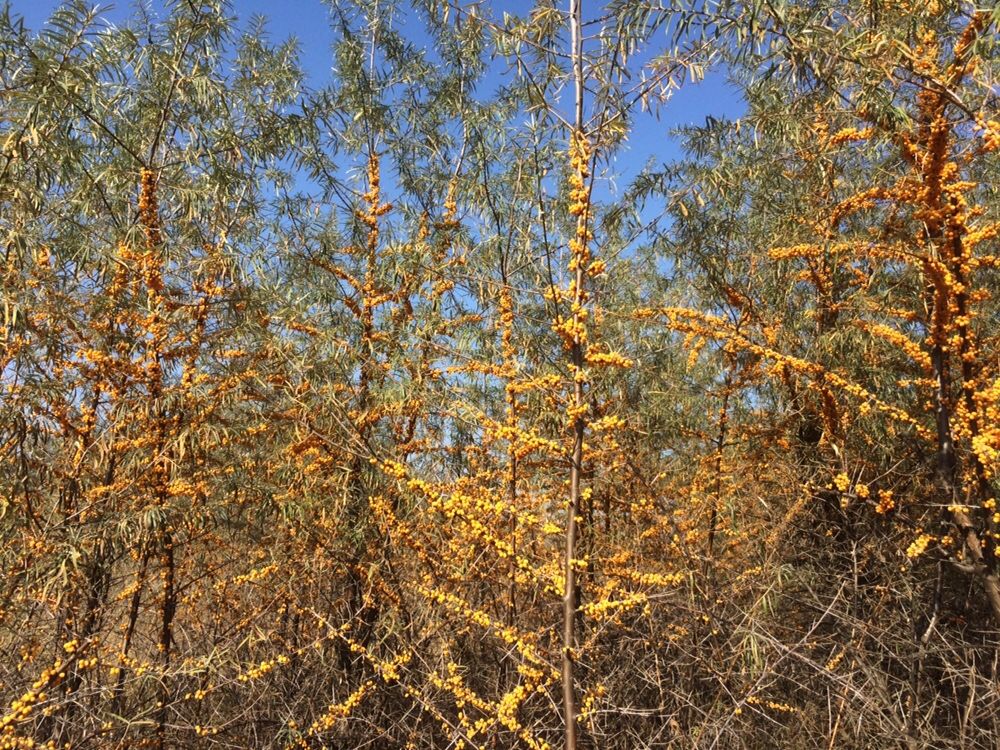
(307, 20)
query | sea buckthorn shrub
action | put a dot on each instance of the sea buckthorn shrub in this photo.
(401, 407)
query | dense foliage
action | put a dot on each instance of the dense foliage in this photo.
(381, 414)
